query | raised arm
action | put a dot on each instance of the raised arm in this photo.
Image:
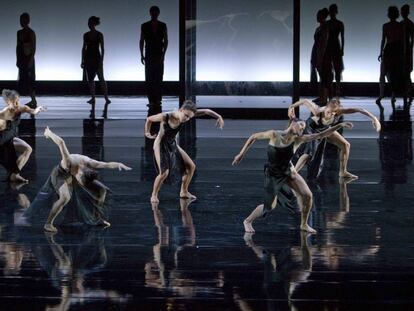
(151, 119)
(110, 165)
(324, 134)
(313, 108)
(211, 113)
(269, 135)
(375, 123)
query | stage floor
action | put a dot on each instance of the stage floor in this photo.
(176, 256)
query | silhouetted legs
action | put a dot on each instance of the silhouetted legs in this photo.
(91, 84)
(154, 72)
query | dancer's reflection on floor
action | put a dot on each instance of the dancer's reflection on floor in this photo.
(93, 139)
(162, 272)
(68, 259)
(287, 269)
(395, 145)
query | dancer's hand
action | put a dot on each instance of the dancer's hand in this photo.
(40, 109)
(82, 65)
(377, 125)
(237, 159)
(380, 57)
(291, 113)
(347, 125)
(123, 167)
(143, 60)
(150, 136)
(47, 132)
(220, 123)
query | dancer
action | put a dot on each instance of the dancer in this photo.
(73, 181)
(335, 48)
(154, 36)
(93, 51)
(408, 37)
(319, 60)
(391, 55)
(10, 144)
(25, 54)
(322, 118)
(279, 171)
(171, 160)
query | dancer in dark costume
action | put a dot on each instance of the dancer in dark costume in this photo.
(322, 118)
(319, 60)
(408, 41)
(25, 54)
(391, 55)
(279, 170)
(72, 184)
(335, 47)
(171, 160)
(10, 144)
(93, 51)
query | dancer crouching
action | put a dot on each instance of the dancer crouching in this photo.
(279, 170)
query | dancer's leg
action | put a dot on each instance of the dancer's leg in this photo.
(298, 184)
(91, 85)
(64, 198)
(188, 175)
(383, 73)
(344, 147)
(62, 147)
(161, 177)
(248, 222)
(25, 151)
(302, 161)
(104, 87)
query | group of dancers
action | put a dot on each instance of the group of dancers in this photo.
(396, 54)
(74, 186)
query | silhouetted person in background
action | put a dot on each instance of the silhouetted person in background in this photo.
(319, 59)
(408, 40)
(335, 48)
(391, 55)
(155, 38)
(25, 53)
(93, 51)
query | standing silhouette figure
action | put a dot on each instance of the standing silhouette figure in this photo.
(25, 59)
(391, 55)
(319, 59)
(335, 48)
(408, 40)
(93, 51)
(155, 38)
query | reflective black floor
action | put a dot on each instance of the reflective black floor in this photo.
(176, 256)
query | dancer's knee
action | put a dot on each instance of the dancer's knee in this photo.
(164, 175)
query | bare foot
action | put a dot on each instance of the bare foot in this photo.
(154, 199)
(17, 178)
(187, 195)
(106, 223)
(347, 174)
(50, 228)
(47, 132)
(248, 227)
(307, 228)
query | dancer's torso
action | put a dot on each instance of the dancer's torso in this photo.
(278, 159)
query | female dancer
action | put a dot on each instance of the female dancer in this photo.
(74, 181)
(10, 144)
(279, 170)
(92, 58)
(171, 160)
(324, 117)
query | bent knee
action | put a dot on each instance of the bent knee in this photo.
(190, 167)
(307, 196)
(164, 174)
(28, 150)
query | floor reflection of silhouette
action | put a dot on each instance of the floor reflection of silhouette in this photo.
(93, 139)
(395, 145)
(163, 271)
(68, 259)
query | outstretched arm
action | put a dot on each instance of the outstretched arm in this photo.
(151, 119)
(375, 123)
(211, 113)
(269, 135)
(110, 165)
(307, 103)
(324, 134)
(26, 109)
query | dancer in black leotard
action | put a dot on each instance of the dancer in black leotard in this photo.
(171, 160)
(321, 119)
(10, 144)
(279, 171)
(93, 51)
